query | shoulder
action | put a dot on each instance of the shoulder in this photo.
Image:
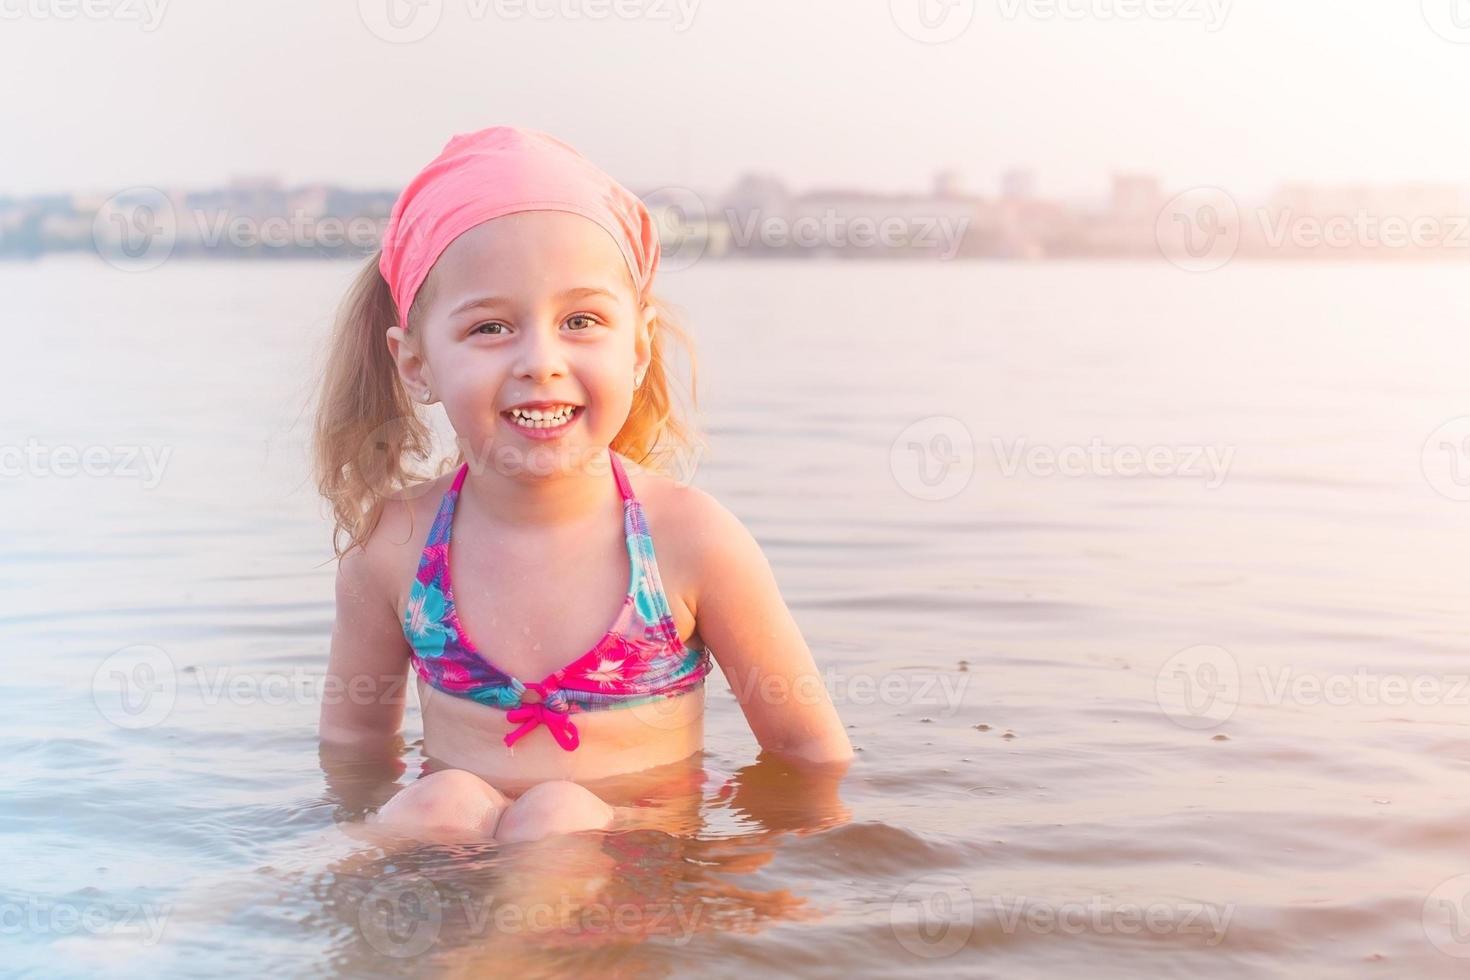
(692, 527)
(678, 507)
(386, 561)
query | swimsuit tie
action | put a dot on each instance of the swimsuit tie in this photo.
(539, 713)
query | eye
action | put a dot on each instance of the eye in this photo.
(590, 320)
(491, 323)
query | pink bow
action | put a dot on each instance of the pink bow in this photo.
(537, 713)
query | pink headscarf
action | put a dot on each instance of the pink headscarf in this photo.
(499, 171)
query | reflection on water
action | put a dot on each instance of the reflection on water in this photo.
(635, 897)
(1205, 719)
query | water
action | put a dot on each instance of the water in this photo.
(1203, 723)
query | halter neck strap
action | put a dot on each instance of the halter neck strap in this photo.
(624, 487)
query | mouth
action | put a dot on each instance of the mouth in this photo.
(543, 420)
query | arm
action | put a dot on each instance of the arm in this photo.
(740, 614)
(367, 668)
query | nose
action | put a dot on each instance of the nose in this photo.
(539, 355)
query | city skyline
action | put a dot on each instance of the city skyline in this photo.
(760, 215)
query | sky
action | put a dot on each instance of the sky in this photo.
(1243, 94)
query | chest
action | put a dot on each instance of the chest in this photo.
(532, 605)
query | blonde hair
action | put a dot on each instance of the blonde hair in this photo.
(367, 428)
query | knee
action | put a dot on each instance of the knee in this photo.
(556, 807)
(449, 800)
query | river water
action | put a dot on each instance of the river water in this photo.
(1141, 591)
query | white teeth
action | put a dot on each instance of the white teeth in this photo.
(535, 418)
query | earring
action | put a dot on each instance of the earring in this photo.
(638, 380)
(427, 396)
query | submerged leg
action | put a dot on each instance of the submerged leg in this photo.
(556, 807)
(449, 803)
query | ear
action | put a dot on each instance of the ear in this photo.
(643, 341)
(412, 368)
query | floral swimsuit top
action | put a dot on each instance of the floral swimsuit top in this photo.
(640, 658)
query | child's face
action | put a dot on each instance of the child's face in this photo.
(532, 306)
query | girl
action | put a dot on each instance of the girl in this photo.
(514, 286)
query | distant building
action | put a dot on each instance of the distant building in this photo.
(861, 223)
(749, 210)
(311, 200)
(947, 183)
(1402, 221)
(1018, 185)
(687, 228)
(756, 192)
(255, 197)
(1136, 197)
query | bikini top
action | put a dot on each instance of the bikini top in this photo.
(639, 659)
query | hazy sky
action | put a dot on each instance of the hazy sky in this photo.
(830, 92)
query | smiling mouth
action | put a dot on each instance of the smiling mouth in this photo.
(543, 418)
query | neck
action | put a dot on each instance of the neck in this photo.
(563, 498)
